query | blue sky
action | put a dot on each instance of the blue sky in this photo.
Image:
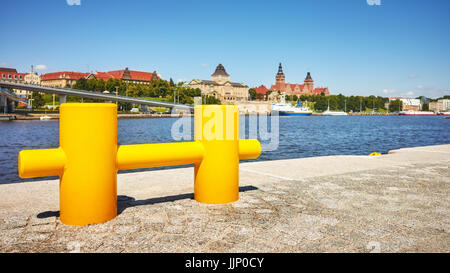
(400, 47)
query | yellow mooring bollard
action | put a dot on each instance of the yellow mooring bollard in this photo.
(88, 159)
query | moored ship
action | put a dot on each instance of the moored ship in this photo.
(416, 113)
(285, 109)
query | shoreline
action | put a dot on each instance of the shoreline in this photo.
(36, 116)
(316, 204)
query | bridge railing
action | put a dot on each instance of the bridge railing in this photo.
(63, 92)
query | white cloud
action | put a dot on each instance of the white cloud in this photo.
(204, 65)
(181, 80)
(413, 76)
(41, 67)
(389, 91)
(420, 90)
(432, 92)
(73, 2)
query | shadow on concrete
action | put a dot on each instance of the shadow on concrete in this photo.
(48, 214)
(124, 202)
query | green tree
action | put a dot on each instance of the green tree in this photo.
(210, 100)
(395, 105)
(38, 100)
(81, 84)
(259, 96)
(252, 93)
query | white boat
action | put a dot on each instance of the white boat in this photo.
(444, 113)
(333, 113)
(45, 117)
(416, 113)
(285, 109)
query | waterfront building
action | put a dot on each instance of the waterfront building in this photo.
(261, 92)
(307, 88)
(408, 104)
(221, 87)
(445, 104)
(254, 107)
(442, 105)
(262, 89)
(126, 75)
(32, 78)
(411, 104)
(64, 79)
(68, 79)
(11, 74)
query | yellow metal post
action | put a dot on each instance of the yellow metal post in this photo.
(85, 162)
(217, 175)
(88, 159)
(88, 188)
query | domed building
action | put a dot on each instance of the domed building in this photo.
(221, 87)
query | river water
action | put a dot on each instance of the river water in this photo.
(298, 136)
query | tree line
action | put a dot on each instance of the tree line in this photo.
(155, 89)
(344, 103)
(339, 102)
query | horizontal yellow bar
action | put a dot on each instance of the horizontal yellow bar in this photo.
(38, 163)
(249, 148)
(158, 155)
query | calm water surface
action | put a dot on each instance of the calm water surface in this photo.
(299, 136)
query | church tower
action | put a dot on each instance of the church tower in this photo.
(309, 83)
(280, 80)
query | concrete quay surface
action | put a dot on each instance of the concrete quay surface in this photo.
(399, 202)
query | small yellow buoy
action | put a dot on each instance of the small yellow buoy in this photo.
(375, 154)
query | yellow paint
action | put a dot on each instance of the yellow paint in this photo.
(217, 175)
(88, 188)
(375, 154)
(249, 148)
(157, 155)
(31, 163)
(88, 159)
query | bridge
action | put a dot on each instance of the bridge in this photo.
(7, 99)
(64, 92)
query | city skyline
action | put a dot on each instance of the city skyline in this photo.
(350, 46)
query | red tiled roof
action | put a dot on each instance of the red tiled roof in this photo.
(11, 74)
(293, 85)
(319, 91)
(63, 75)
(103, 76)
(261, 90)
(117, 74)
(5, 69)
(135, 75)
